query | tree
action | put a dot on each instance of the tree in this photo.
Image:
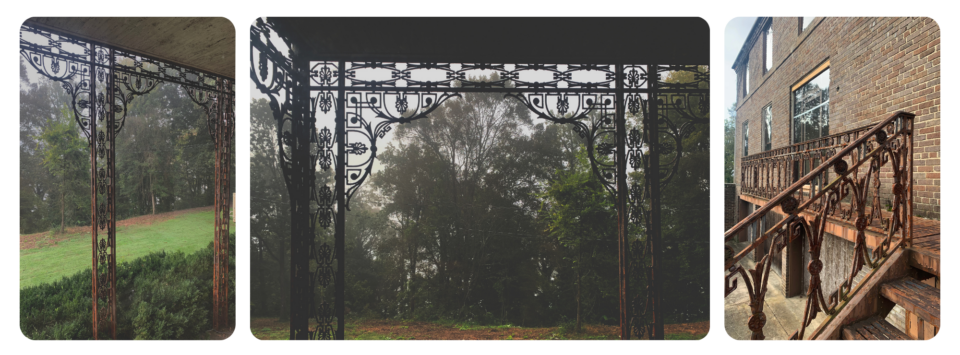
(684, 218)
(164, 156)
(64, 153)
(40, 206)
(269, 217)
(729, 135)
(479, 213)
(579, 212)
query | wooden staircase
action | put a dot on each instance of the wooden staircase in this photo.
(873, 328)
(911, 285)
(915, 297)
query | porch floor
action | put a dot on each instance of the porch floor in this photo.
(784, 315)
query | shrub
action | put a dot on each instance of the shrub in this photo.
(159, 296)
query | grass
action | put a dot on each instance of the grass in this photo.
(187, 233)
(268, 333)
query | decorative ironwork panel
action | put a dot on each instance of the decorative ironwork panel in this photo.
(102, 81)
(103, 133)
(429, 76)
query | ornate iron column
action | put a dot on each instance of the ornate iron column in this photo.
(341, 178)
(300, 185)
(622, 192)
(222, 131)
(651, 129)
(102, 169)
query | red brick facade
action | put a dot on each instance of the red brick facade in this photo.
(877, 66)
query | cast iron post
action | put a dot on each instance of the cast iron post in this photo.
(300, 188)
(652, 127)
(94, 235)
(622, 216)
(341, 177)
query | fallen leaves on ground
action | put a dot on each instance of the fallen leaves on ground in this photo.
(270, 328)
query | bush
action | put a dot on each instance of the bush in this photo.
(159, 296)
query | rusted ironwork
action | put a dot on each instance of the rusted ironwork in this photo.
(768, 173)
(309, 95)
(856, 165)
(223, 131)
(102, 80)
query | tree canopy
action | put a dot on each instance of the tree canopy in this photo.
(165, 156)
(482, 213)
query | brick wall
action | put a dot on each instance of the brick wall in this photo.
(877, 66)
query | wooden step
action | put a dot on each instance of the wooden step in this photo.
(873, 328)
(914, 296)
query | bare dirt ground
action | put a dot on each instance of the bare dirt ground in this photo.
(395, 329)
(35, 240)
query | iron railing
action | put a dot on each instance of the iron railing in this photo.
(862, 166)
(768, 173)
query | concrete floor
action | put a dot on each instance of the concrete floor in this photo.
(784, 315)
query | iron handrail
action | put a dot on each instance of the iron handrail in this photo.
(813, 174)
(873, 147)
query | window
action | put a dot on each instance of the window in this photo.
(804, 22)
(766, 123)
(746, 80)
(768, 49)
(746, 138)
(811, 99)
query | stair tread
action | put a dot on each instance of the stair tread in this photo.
(873, 328)
(916, 297)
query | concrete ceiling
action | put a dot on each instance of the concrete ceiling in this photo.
(205, 43)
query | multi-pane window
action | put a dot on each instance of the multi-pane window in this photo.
(768, 48)
(746, 138)
(766, 121)
(811, 114)
(804, 22)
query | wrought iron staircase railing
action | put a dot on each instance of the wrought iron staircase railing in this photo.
(862, 167)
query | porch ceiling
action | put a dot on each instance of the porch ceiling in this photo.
(503, 40)
(205, 43)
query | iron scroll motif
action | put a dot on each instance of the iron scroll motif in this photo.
(102, 81)
(333, 114)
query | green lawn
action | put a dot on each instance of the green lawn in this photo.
(187, 233)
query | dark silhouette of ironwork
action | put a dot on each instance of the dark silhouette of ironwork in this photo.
(847, 186)
(364, 99)
(101, 81)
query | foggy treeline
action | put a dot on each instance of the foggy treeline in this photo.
(165, 156)
(481, 213)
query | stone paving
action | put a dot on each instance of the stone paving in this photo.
(784, 315)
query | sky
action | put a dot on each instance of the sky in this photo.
(734, 35)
